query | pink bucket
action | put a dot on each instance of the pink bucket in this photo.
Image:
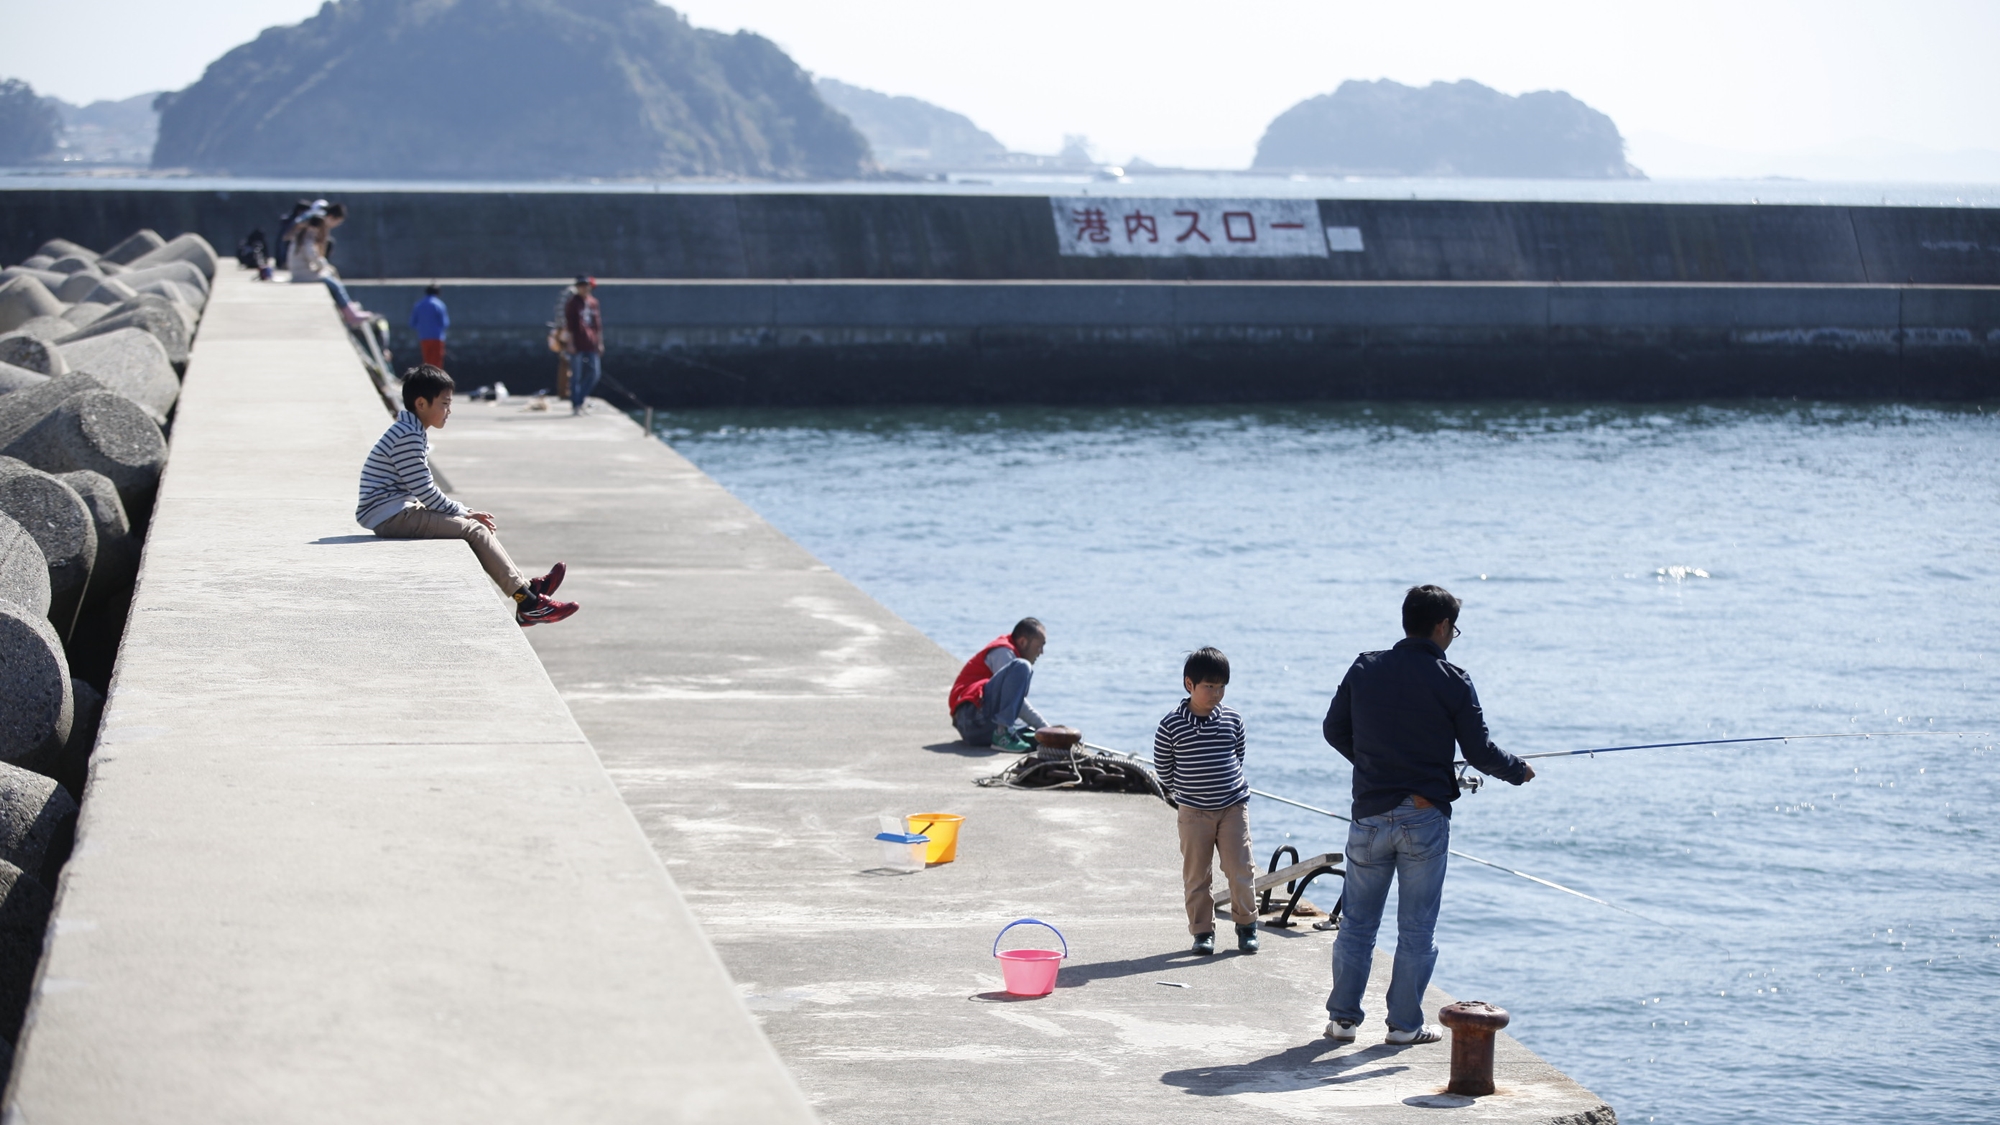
(1030, 972)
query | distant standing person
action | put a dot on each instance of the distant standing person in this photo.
(586, 342)
(431, 320)
(1395, 717)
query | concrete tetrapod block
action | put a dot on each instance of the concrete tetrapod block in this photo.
(76, 285)
(38, 261)
(83, 315)
(186, 273)
(48, 328)
(117, 548)
(14, 378)
(107, 291)
(21, 349)
(49, 278)
(22, 299)
(24, 571)
(24, 409)
(75, 264)
(72, 766)
(187, 248)
(60, 248)
(127, 360)
(102, 432)
(57, 517)
(37, 821)
(136, 245)
(24, 919)
(38, 707)
(154, 314)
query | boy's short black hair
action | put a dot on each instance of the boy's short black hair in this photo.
(424, 381)
(336, 211)
(1025, 627)
(1425, 606)
(1206, 666)
(432, 289)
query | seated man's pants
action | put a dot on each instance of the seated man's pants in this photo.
(999, 706)
(422, 523)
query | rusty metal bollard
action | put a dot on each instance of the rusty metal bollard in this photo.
(1472, 1024)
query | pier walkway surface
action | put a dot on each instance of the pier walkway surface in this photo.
(344, 854)
(759, 713)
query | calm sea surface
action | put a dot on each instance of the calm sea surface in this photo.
(1630, 575)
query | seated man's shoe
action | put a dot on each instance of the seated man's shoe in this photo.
(1009, 741)
(1429, 1033)
(1340, 1031)
(539, 609)
(1204, 943)
(1246, 938)
(547, 583)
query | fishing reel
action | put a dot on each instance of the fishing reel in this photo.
(1468, 781)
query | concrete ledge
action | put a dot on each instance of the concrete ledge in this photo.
(700, 343)
(344, 855)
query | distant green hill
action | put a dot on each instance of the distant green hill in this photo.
(506, 89)
(908, 132)
(1445, 129)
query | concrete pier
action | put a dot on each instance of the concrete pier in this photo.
(344, 854)
(759, 713)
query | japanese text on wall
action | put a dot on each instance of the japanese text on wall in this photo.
(1114, 227)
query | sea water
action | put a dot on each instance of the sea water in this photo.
(1824, 941)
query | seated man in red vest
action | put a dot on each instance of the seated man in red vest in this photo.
(989, 700)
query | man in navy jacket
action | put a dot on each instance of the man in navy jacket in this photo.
(1397, 717)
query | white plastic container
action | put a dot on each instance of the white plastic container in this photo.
(903, 851)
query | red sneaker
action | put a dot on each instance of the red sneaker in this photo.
(547, 583)
(542, 611)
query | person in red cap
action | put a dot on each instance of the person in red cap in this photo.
(586, 342)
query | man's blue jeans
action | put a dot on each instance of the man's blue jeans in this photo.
(585, 368)
(1410, 845)
(999, 706)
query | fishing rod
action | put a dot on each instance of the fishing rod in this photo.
(1732, 741)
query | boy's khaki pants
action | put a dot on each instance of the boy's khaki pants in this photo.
(1205, 832)
(422, 523)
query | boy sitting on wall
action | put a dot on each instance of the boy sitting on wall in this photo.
(400, 500)
(1198, 752)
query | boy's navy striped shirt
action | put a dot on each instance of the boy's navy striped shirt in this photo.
(1201, 760)
(398, 472)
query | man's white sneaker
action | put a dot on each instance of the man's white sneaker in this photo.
(1340, 1031)
(1429, 1033)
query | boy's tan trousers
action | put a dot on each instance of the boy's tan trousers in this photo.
(1204, 832)
(422, 523)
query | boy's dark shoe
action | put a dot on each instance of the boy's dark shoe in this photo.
(542, 610)
(1246, 938)
(1204, 943)
(547, 583)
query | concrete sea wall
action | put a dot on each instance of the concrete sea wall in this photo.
(679, 344)
(792, 298)
(423, 233)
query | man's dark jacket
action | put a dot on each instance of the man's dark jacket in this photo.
(1396, 716)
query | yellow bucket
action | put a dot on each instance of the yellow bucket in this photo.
(942, 828)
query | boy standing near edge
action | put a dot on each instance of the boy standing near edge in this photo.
(1198, 751)
(399, 500)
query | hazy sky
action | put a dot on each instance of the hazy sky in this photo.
(1193, 83)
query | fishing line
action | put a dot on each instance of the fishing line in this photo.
(1487, 863)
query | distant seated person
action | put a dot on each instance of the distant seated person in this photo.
(989, 700)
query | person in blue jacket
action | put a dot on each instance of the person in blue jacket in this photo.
(430, 319)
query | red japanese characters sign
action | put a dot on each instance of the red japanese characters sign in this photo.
(1113, 227)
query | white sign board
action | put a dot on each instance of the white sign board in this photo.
(1113, 227)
